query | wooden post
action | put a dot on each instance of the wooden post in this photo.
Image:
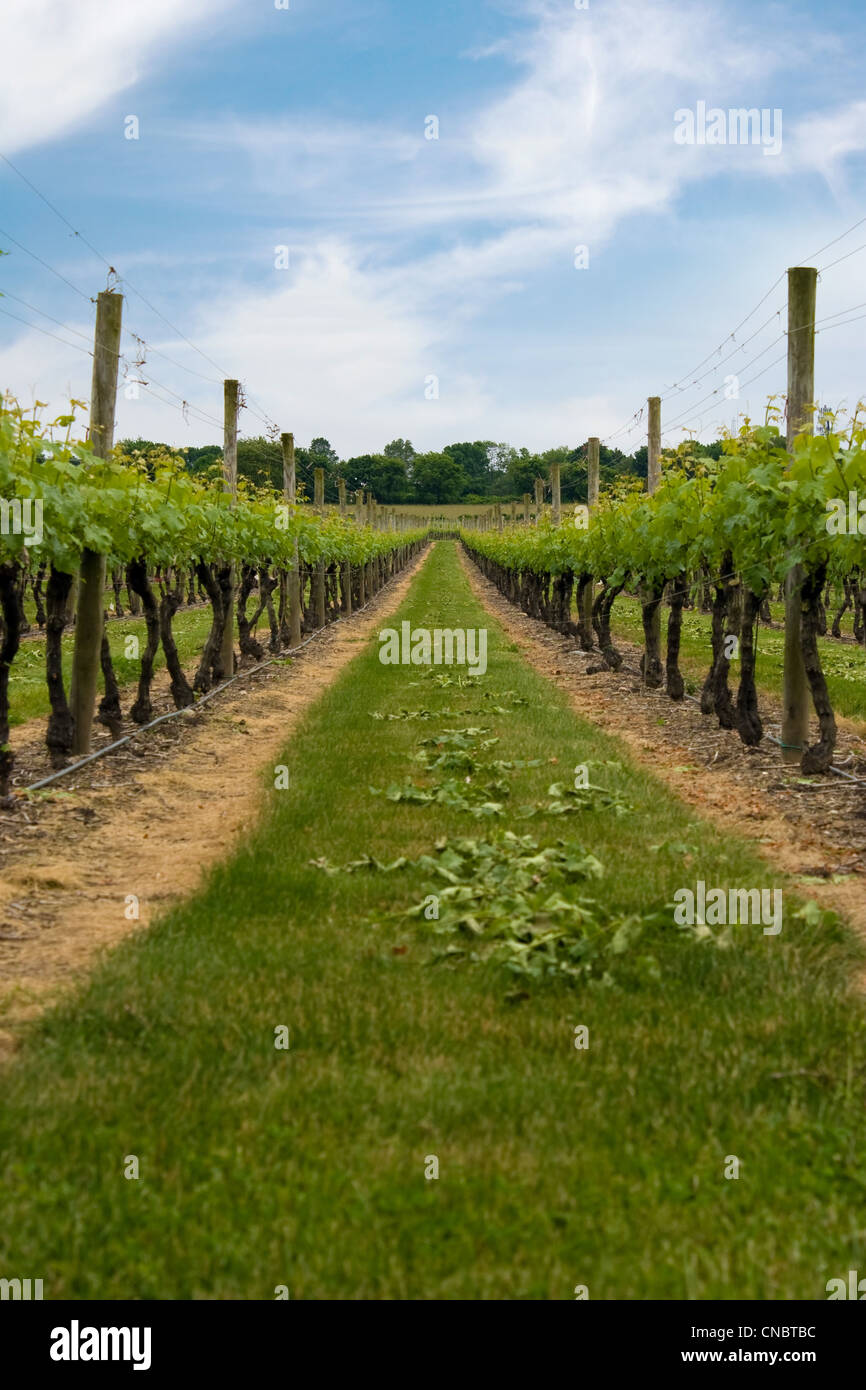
(319, 502)
(230, 483)
(290, 487)
(347, 568)
(499, 516)
(592, 470)
(360, 517)
(653, 478)
(527, 504)
(555, 495)
(802, 291)
(90, 619)
(539, 498)
(654, 444)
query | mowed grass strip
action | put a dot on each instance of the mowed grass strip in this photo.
(305, 1167)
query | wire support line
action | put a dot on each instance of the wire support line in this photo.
(732, 334)
(185, 407)
(821, 249)
(47, 332)
(7, 294)
(7, 236)
(694, 408)
(718, 365)
(125, 279)
(840, 259)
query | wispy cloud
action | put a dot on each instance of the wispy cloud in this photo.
(63, 62)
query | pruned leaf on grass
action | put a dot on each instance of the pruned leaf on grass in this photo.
(512, 902)
(365, 862)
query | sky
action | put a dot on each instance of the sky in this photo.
(486, 220)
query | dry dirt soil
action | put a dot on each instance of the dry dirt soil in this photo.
(147, 820)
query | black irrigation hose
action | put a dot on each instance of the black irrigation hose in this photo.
(187, 709)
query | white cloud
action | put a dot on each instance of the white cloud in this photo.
(62, 61)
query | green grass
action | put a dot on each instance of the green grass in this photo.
(28, 693)
(558, 1167)
(844, 663)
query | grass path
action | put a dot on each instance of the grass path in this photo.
(305, 1167)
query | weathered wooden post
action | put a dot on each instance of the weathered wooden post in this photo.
(347, 568)
(555, 495)
(361, 518)
(319, 585)
(654, 444)
(90, 618)
(231, 392)
(802, 294)
(527, 504)
(592, 472)
(539, 498)
(290, 488)
(653, 478)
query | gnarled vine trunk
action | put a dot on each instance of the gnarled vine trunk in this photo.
(181, 690)
(249, 645)
(61, 725)
(210, 668)
(674, 683)
(716, 696)
(748, 721)
(139, 582)
(109, 712)
(818, 756)
(651, 661)
(10, 607)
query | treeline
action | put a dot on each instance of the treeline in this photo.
(465, 472)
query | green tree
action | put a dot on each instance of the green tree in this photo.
(521, 472)
(437, 478)
(475, 461)
(261, 460)
(399, 449)
(324, 456)
(385, 476)
(200, 459)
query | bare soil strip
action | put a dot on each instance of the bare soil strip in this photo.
(148, 821)
(813, 832)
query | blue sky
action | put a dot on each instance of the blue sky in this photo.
(412, 258)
